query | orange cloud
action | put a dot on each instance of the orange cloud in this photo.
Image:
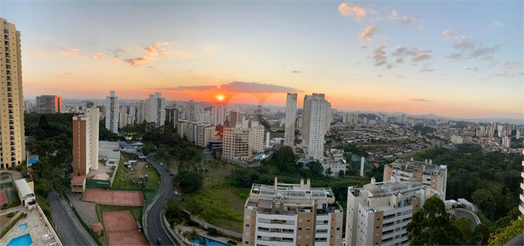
(352, 9)
(100, 56)
(368, 33)
(153, 51)
(68, 52)
(37, 52)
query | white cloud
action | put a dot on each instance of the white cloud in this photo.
(352, 9)
(511, 65)
(368, 33)
(100, 56)
(380, 55)
(448, 33)
(68, 52)
(462, 42)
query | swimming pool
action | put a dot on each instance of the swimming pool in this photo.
(22, 226)
(24, 240)
(208, 241)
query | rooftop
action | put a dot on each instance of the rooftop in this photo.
(412, 166)
(24, 188)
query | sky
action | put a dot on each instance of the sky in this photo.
(451, 58)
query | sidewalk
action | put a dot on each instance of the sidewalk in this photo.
(9, 210)
(77, 223)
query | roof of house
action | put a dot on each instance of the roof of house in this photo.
(78, 179)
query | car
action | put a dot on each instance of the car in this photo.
(175, 192)
(159, 241)
(171, 173)
(161, 164)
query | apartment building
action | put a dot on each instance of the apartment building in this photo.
(12, 144)
(256, 137)
(236, 144)
(85, 141)
(112, 115)
(291, 117)
(49, 104)
(292, 214)
(155, 109)
(218, 115)
(314, 121)
(434, 176)
(122, 113)
(171, 115)
(204, 133)
(378, 213)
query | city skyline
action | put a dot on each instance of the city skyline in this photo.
(451, 59)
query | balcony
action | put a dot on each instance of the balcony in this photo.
(521, 197)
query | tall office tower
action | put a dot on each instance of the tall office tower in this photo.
(111, 112)
(191, 111)
(85, 141)
(434, 176)
(291, 118)
(171, 116)
(132, 116)
(236, 144)
(141, 112)
(218, 115)
(256, 138)
(122, 120)
(314, 124)
(49, 104)
(156, 109)
(521, 195)
(500, 131)
(292, 214)
(12, 148)
(378, 213)
(235, 119)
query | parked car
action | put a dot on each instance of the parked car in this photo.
(159, 241)
(171, 173)
(175, 192)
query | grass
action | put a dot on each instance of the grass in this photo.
(3, 219)
(123, 181)
(5, 176)
(136, 211)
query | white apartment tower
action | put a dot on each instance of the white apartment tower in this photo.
(291, 117)
(155, 110)
(85, 141)
(256, 137)
(218, 115)
(12, 143)
(236, 144)
(434, 176)
(112, 113)
(292, 214)
(191, 111)
(379, 213)
(314, 124)
(141, 112)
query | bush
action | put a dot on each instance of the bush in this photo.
(213, 232)
(11, 224)
(231, 242)
(10, 215)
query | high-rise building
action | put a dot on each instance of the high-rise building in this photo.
(218, 115)
(132, 116)
(235, 119)
(204, 134)
(500, 131)
(191, 111)
(49, 104)
(291, 118)
(111, 113)
(141, 112)
(122, 113)
(171, 116)
(314, 124)
(85, 141)
(236, 144)
(434, 176)
(379, 213)
(155, 110)
(292, 214)
(521, 195)
(327, 127)
(12, 148)
(506, 142)
(256, 138)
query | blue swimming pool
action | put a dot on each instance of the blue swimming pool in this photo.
(22, 226)
(24, 240)
(208, 241)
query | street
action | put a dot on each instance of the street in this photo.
(155, 227)
(65, 227)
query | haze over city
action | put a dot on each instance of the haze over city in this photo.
(456, 59)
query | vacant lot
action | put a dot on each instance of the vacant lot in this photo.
(124, 176)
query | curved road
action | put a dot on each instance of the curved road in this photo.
(154, 219)
(65, 227)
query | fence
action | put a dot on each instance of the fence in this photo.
(206, 225)
(91, 233)
(49, 225)
(95, 183)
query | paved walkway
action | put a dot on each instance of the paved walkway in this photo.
(86, 210)
(9, 210)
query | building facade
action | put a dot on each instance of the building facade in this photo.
(292, 214)
(49, 104)
(85, 142)
(156, 109)
(112, 114)
(171, 116)
(378, 213)
(12, 148)
(218, 115)
(256, 138)
(314, 123)
(236, 144)
(434, 176)
(291, 117)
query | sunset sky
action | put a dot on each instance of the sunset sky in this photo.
(458, 59)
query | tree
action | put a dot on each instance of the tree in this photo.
(341, 174)
(173, 212)
(190, 181)
(480, 235)
(284, 159)
(485, 201)
(502, 236)
(431, 225)
(463, 224)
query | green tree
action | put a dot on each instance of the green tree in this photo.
(284, 159)
(485, 201)
(480, 235)
(431, 225)
(341, 174)
(502, 236)
(463, 224)
(190, 181)
(173, 211)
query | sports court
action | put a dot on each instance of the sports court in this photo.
(7, 194)
(114, 197)
(121, 228)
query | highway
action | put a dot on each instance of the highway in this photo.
(154, 218)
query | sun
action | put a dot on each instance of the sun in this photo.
(220, 97)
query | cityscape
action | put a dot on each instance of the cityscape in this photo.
(262, 123)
